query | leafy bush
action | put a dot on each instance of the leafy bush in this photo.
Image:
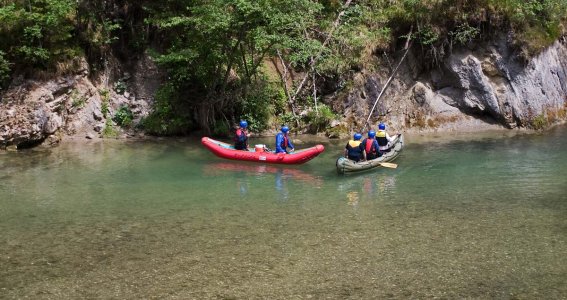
(120, 87)
(221, 128)
(164, 119)
(263, 100)
(4, 70)
(123, 117)
(464, 33)
(428, 35)
(78, 101)
(287, 118)
(105, 98)
(258, 105)
(37, 34)
(539, 122)
(279, 101)
(321, 119)
(109, 131)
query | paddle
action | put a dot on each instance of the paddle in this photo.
(388, 165)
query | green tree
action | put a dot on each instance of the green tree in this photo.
(4, 70)
(37, 33)
(215, 48)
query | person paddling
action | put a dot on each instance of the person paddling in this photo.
(370, 146)
(353, 150)
(383, 138)
(283, 141)
(241, 136)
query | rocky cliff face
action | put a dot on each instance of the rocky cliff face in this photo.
(36, 112)
(487, 84)
(469, 89)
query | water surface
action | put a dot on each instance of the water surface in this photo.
(481, 216)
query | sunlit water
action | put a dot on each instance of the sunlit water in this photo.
(463, 217)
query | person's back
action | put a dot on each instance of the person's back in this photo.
(353, 149)
(241, 137)
(283, 141)
(370, 146)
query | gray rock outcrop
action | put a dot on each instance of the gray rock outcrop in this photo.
(488, 83)
(36, 111)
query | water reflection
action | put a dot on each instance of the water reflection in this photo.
(371, 187)
(282, 176)
(281, 185)
(242, 186)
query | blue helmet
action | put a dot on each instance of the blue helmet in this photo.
(243, 124)
(285, 129)
(371, 134)
(382, 126)
(357, 136)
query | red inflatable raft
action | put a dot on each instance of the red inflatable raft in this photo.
(258, 154)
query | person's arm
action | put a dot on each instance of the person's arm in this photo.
(346, 153)
(363, 148)
(388, 137)
(290, 144)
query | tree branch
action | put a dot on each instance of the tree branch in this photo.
(407, 48)
(286, 88)
(329, 36)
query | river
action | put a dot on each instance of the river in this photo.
(463, 216)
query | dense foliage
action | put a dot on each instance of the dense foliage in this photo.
(232, 59)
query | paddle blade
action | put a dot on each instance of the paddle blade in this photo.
(389, 165)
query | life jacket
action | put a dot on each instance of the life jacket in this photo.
(381, 138)
(282, 143)
(285, 142)
(240, 139)
(370, 148)
(369, 145)
(354, 150)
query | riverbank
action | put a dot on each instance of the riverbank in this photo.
(481, 93)
(471, 132)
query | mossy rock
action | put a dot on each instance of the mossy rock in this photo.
(337, 132)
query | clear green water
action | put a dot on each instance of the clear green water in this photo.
(463, 217)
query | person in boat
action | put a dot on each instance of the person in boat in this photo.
(283, 142)
(354, 150)
(241, 136)
(383, 138)
(370, 146)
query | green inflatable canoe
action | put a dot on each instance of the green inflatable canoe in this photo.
(347, 166)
